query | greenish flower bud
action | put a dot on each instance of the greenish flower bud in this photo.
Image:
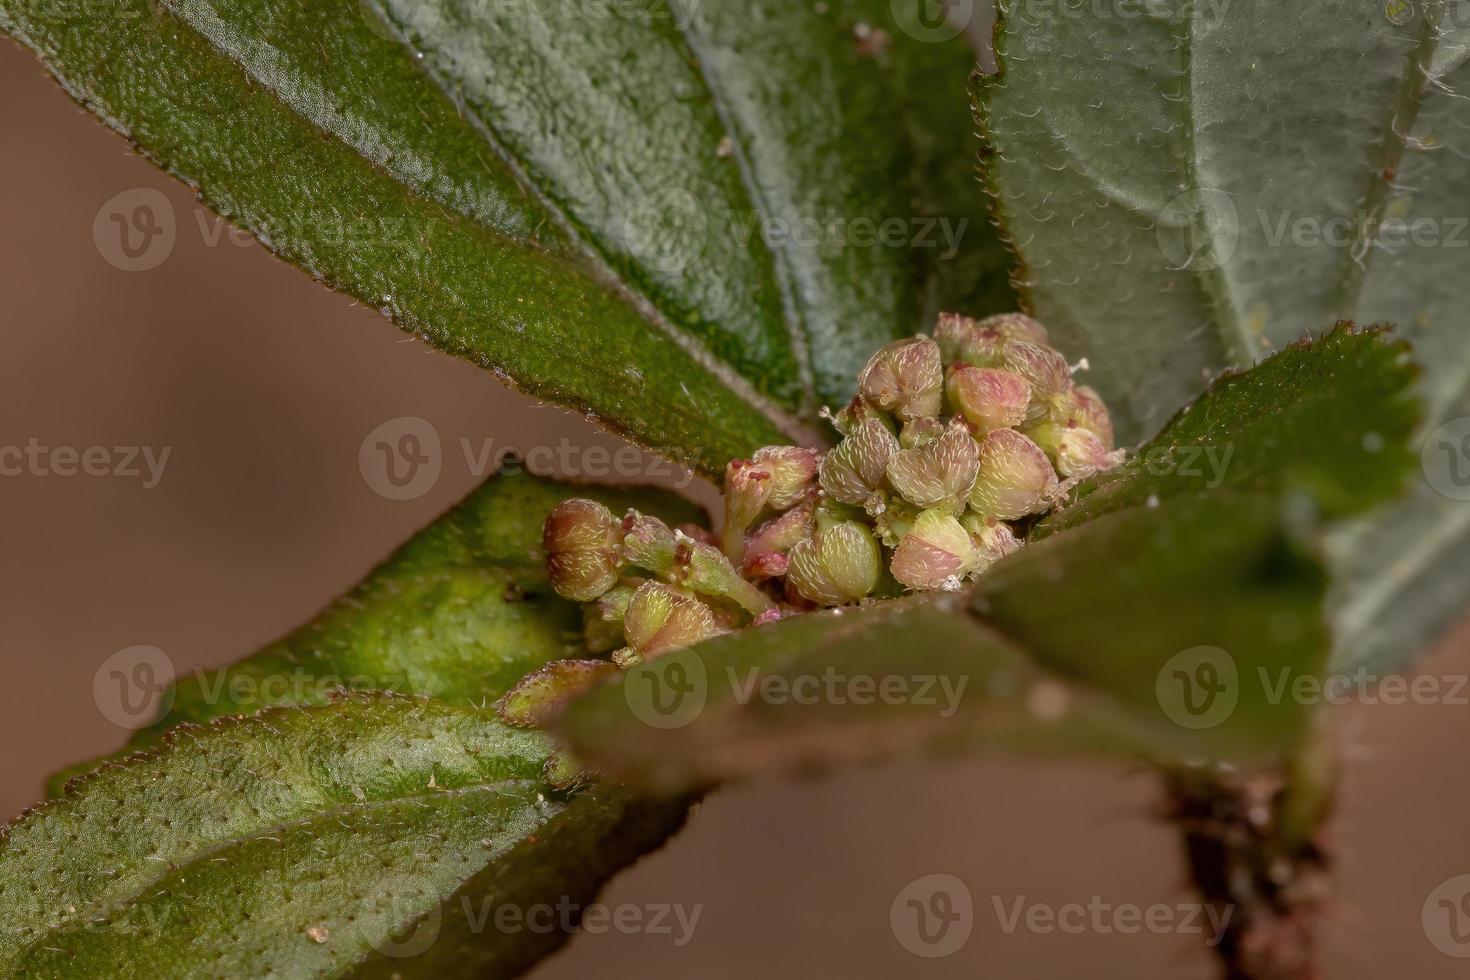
(767, 546)
(837, 566)
(1076, 452)
(660, 618)
(936, 553)
(1083, 407)
(1045, 369)
(703, 568)
(920, 432)
(853, 472)
(855, 414)
(940, 474)
(542, 694)
(581, 538)
(602, 621)
(648, 543)
(906, 378)
(1016, 477)
(988, 398)
(1015, 326)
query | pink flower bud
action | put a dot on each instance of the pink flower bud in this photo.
(905, 378)
(1083, 407)
(1016, 326)
(1016, 478)
(838, 566)
(1045, 369)
(581, 538)
(853, 472)
(988, 398)
(936, 553)
(939, 474)
(1076, 452)
(660, 618)
(766, 548)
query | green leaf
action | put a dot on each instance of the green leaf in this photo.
(1089, 641)
(623, 209)
(1334, 418)
(302, 841)
(1212, 181)
(461, 612)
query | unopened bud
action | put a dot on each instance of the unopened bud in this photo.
(1016, 326)
(853, 472)
(581, 538)
(648, 543)
(1076, 452)
(542, 694)
(1045, 369)
(838, 565)
(963, 340)
(660, 618)
(775, 478)
(988, 398)
(920, 432)
(905, 378)
(704, 569)
(993, 539)
(563, 771)
(939, 474)
(1083, 407)
(855, 414)
(766, 548)
(936, 553)
(1016, 477)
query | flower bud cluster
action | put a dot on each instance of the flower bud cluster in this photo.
(951, 444)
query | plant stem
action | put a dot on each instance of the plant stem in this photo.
(1258, 853)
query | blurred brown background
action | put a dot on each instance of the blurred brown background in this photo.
(262, 386)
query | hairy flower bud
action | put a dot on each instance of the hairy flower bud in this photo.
(703, 568)
(775, 478)
(939, 474)
(1046, 370)
(541, 695)
(648, 543)
(993, 539)
(766, 548)
(920, 432)
(1083, 407)
(937, 553)
(1016, 477)
(988, 398)
(853, 472)
(838, 565)
(905, 378)
(1015, 326)
(660, 618)
(581, 538)
(1076, 452)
